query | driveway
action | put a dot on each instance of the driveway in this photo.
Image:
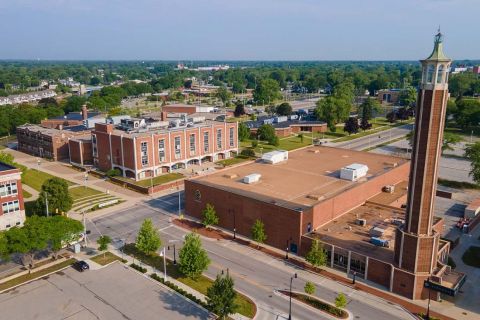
(110, 293)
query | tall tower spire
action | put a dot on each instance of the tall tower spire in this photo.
(417, 242)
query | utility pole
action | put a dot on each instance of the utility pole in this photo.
(84, 228)
(46, 203)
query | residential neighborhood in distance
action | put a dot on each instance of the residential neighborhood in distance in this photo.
(244, 160)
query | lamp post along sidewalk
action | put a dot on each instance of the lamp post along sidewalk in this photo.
(163, 254)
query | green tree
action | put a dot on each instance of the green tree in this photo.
(472, 153)
(148, 240)
(103, 243)
(258, 232)
(367, 108)
(62, 231)
(309, 287)
(238, 87)
(275, 141)
(332, 110)
(284, 109)
(29, 239)
(193, 259)
(266, 132)
(267, 91)
(340, 301)
(7, 158)
(239, 110)
(449, 139)
(74, 103)
(351, 125)
(316, 256)
(243, 132)
(4, 246)
(221, 296)
(210, 217)
(58, 197)
(408, 97)
(223, 94)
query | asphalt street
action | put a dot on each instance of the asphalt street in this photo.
(257, 275)
(374, 139)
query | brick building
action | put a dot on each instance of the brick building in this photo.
(390, 96)
(70, 119)
(11, 197)
(287, 125)
(46, 142)
(142, 148)
(362, 224)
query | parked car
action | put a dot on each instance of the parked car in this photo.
(81, 266)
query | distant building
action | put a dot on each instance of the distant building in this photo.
(72, 119)
(476, 70)
(287, 125)
(27, 97)
(390, 96)
(11, 197)
(186, 108)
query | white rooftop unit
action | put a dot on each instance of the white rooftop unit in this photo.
(353, 172)
(274, 157)
(251, 178)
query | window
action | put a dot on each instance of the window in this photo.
(192, 143)
(440, 74)
(178, 150)
(144, 153)
(430, 70)
(94, 145)
(161, 149)
(232, 136)
(206, 147)
(8, 189)
(11, 206)
(219, 139)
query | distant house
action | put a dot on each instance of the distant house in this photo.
(389, 96)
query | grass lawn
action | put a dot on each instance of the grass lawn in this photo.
(26, 194)
(38, 274)
(465, 134)
(471, 256)
(246, 306)
(232, 161)
(291, 143)
(35, 178)
(457, 184)
(82, 192)
(104, 259)
(164, 178)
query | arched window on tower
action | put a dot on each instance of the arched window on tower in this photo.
(440, 73)
(430, 70)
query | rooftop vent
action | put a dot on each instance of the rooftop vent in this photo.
(252, 178)
(230, 175)
(317, 197)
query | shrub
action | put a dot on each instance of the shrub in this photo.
(248, 152)
(113, 173)
(138, 268)
(254, 143)
(309, 288)
(340, 301)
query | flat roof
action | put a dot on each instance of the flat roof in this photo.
(313, 171)
(6, 167)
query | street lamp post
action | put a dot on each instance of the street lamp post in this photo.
(234, 227)
(427, 316)
(290, 307)
(286, 250)
(174, 253)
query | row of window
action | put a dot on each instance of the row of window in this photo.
(178, 145)
(11, 206)
(8, 189)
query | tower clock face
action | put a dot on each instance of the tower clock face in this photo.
(198, 195)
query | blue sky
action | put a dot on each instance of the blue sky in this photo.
(236, 30)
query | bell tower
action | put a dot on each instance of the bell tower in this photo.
(417, 241)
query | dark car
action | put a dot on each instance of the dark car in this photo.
(81, 266)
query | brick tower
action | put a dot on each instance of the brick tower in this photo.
(417, 241)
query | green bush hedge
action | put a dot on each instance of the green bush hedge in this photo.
(138, 268)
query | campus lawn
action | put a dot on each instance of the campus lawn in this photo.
(245, 306)
(26, 194)
(233, 161)
(164, 178)
(35, 178)
(82, 192)
(106, 258)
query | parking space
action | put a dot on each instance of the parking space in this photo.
(113, 292)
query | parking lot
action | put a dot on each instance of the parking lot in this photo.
(113, 292)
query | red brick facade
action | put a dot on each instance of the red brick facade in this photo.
(12, 209)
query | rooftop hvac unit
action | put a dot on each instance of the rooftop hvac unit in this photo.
(353, 172)
(275, 156)
(388, 189)
(252, 178)
(361, 222)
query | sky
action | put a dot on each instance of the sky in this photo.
(183, 30)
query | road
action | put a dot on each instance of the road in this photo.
(256, 274)
(374, 139)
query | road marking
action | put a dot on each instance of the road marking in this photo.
(164, 228)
